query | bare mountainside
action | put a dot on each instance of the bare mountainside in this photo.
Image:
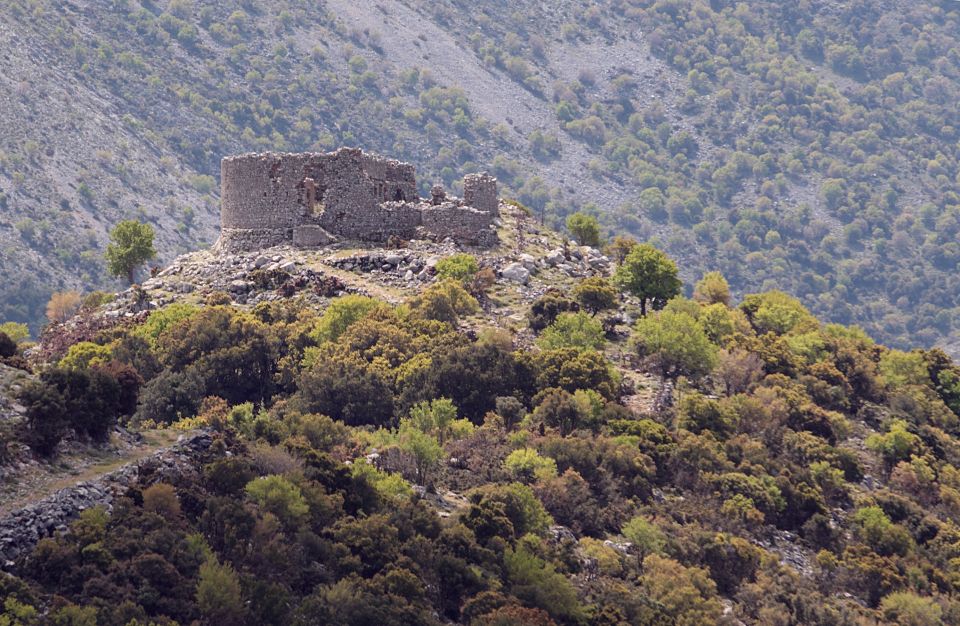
(808, 147)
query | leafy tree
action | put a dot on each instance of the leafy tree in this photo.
(584, 228)
(595, 294)
(436, 417)
(676, 343)
(646, 537)
(620, 247)
(47, 419)
(170, 397)
(131, 245)
(537, 582)
(648, 274)
(232, 353)
(511, 410)
(471, 376)
(559, 409)
(572, 369)
(777, 312)
(347, 389)
(8, 347)
(423, 447)
(572, 330)
(521, 509)
(219, 596)
(712, 289)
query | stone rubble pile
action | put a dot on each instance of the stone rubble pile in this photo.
(575, 262)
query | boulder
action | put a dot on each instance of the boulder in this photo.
(555, 257)
(528, 262)
(516, 272)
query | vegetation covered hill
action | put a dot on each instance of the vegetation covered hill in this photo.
(810, 146)
(432, 436)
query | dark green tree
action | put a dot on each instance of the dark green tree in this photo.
(584, 228)
(650, 275)
(131, 245)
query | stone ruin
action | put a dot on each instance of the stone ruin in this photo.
(312, 199)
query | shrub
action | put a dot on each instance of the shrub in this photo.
(547, 307)
(873, 526)
(15, 331)
(526, 465)
(595, 294)
(8, 347)
(279, 496)
(162, 500)
(341, 313)
(62, 306)
(573, 330)
(459, 267)
(908, 609)
(445, 301)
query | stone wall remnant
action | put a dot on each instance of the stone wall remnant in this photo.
(310, 199)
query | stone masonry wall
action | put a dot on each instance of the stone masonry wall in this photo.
(267, 198)
(21, 530)
(461, 223)
(480, 192)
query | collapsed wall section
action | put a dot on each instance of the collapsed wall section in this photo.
(464, 224)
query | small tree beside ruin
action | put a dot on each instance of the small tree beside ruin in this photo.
(131, 245)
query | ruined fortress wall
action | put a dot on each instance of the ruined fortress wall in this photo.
(267, 199)
(394, 181)
(260, 191)
(480, 192)
(461, 223)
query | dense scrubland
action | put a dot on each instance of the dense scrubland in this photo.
(420, 463)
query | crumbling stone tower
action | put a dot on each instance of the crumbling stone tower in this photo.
(480, 192)
(310, 199)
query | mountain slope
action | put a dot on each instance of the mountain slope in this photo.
(817, 142)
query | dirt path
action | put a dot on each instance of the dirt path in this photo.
(36, 481)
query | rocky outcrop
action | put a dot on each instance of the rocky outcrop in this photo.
(21, 530)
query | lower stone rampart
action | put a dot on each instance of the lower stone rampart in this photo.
(21, 530)
(239, 239)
